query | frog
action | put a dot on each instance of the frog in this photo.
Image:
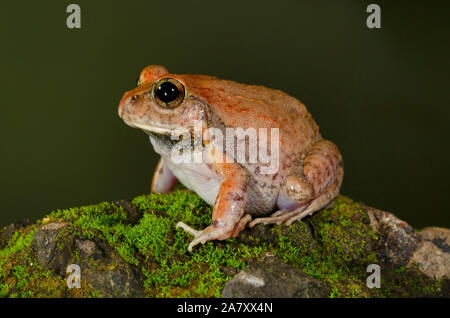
(310, 168)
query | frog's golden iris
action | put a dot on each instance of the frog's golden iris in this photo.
(168, 92)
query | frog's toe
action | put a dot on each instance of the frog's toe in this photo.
(196, 241)
(208, 234)
(199, 236)
(204, 236)
(188, 229)
(276, 218)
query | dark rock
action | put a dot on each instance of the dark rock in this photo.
(229, 271)
(400, 246)
(298, 233)
(89, 250)
(113, 279)
(257, 235)
(106, 271)
(271, 278)
(445, 288)
(442, 244)
(7, 232)
(49, 254)
(101, 267)
(133, 216)
(397, 239)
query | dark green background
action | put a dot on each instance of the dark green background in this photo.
(381, 95)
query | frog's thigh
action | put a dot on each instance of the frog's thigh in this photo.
(314, 188)
(322, 167)
(316, 204)
(163, 179)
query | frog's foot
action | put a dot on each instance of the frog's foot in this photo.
(214, 232)
(278, 217)
(210, 233)
(199, 236)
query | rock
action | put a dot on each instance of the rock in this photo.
(438, 236)
(48, 255)
(401, 246)
(298, 233)
(398, 240)
(271, 278)
(433, 256)
(133, 215)
(113, 279)
(133, 249)
(106, 271)
(101, 267)
(257, 235)
(88, 250)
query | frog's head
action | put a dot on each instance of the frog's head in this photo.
(161, 103)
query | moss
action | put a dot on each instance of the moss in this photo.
(19, 241)
(157, 248)
(334, 245)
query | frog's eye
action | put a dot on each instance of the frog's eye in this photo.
(168, 92)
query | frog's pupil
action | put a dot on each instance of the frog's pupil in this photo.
(167, 92)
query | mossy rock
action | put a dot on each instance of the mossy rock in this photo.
(136, 243)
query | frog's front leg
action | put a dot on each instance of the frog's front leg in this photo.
(163, 179)
(227, 215)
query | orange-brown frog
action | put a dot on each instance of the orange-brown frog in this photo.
(309, 169)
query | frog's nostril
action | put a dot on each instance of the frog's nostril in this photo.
(126, 97)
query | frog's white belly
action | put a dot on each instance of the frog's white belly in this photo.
(197, 177)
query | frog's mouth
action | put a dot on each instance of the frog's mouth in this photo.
(161, 133)
(153, 128)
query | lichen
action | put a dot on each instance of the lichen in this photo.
(334, 245)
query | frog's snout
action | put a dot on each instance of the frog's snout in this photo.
(129, 98)
(122, 103)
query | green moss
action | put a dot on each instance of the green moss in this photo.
(334, 245)
(343, 250)
(157, 247)
(18, 242)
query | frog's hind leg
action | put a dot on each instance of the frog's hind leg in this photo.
(278, 217)
(288, 217)
(316, 204)
(314, 188)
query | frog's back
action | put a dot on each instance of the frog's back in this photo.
(256, 106)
